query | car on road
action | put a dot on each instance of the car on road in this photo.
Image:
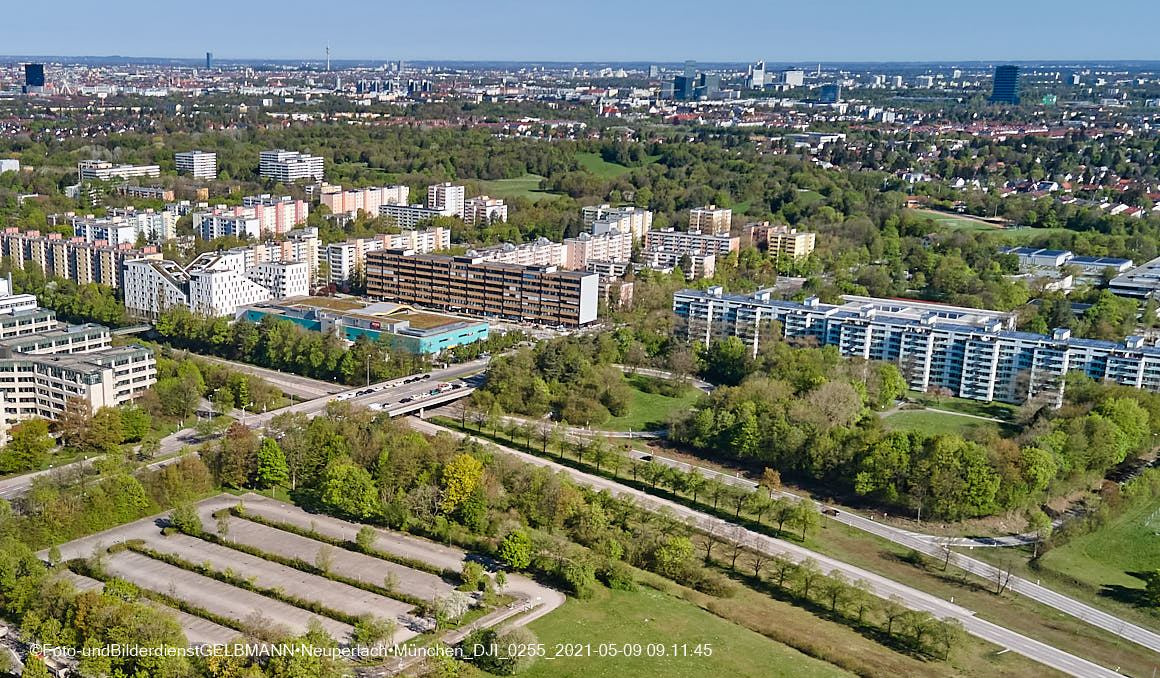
(456, 385)
(425, 376)
(406, 400)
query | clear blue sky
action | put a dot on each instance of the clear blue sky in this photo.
(595, 30)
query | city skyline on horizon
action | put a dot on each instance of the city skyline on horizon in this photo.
(605, 32)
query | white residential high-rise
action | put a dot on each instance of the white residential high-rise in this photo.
(720, 244)
(200, 164)
(219, 223)
(446, 196)
(344, 258)
(483, 209)
(603, 218)
(287, 166)
(540, 252)
(612, 246)
(409, 216)
(283, 279)
(214, 283)
(711, 219)
(124, 225)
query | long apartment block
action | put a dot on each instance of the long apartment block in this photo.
(467, 284)
(718, 244)
(974, 353)
(71, 258)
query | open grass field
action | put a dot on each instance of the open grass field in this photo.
(650, 617)
(593, 163)
(1018, 613)
(1105, 558)
(957, 222)
(964, 223)
(649, 411)
(994, 409)
(808, 197)
(931, 423)
(527, 186)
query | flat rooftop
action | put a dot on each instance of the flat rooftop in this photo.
(330, 303)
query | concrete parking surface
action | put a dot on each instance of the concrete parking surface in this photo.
(216, 597)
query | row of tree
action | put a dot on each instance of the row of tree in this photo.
(285, 346)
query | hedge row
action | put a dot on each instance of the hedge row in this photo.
(302, 565)
(242, 583)
(346, 544)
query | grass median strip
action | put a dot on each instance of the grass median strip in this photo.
(308, 568)
(127, 589)
(243, 583)
(345, 544)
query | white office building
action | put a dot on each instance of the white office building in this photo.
(287, 166)
(446, 196)
(199, 164)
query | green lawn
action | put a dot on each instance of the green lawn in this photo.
(593, 163)
(808, 197)
(1105, 557)
(649, 411)
(527, 186)
(994, 409)
(931, 423)
(619, 618)
(958, 223)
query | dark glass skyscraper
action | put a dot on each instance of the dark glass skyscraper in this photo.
(209, 60)
(1006, 86)
(34, 75)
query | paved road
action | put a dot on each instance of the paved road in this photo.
(913, 598)
(14, 488)
(290, 384)
(1087, 613)
(935, 546)
(393, 391)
